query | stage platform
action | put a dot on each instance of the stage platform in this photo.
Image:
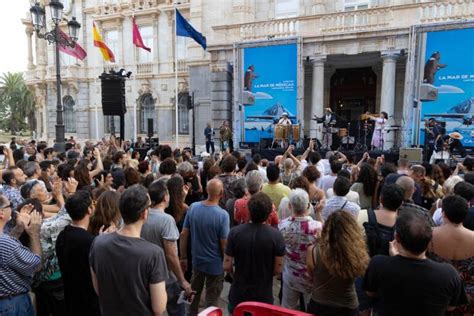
(270, 154)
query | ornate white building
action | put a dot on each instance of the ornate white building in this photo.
(340, 40)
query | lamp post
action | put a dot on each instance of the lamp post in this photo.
(56, 37)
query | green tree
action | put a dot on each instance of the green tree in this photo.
(17, 104)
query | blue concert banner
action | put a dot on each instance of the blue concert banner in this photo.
(449, 67)
(271, 80)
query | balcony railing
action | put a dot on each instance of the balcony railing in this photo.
(438, 12)
(182, 66)
(277, 28)
(145, 68)
(364, 20)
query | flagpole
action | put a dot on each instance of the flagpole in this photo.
(176, 79)
(135, 86)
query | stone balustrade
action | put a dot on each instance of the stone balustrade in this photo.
(364, 20)
(446, 11)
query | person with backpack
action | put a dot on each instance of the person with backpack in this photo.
(381, 223)
(379, 232)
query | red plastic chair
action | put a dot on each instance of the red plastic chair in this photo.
(262, 309)
(211, 311)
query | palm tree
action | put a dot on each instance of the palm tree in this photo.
(16, 103)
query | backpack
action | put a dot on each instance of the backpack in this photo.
(378, 237)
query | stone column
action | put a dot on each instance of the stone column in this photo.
(29, 38)
(387, 98)
(317, 94)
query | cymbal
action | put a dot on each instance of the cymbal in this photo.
(365, 116)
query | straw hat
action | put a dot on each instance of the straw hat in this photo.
(456, 135)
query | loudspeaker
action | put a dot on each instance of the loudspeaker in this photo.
(113, 96)
(150, 127)
(414, 155)
(265, 143)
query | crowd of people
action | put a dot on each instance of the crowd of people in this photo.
(103, 230)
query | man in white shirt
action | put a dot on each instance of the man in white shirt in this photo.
(327, 181)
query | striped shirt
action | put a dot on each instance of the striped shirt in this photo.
(17, 266)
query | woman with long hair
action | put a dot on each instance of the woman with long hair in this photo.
(366, 185)
(81, 174)
(132, 176)
(339, 257)
(315, 193)
(177, 208)
(438, 175)
(106, 212)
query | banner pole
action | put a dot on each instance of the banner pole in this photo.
(176, 78)
(135, 90)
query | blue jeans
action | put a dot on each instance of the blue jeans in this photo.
(172, 307)
(19, 305)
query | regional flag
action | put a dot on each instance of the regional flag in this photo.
(76, 51)
(99, 42)
(137, 37)
(183, 28)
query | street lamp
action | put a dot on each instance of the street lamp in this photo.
(56, 37)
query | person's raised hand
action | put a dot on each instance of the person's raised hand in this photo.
(23, 217)
(71, 185)
(34, 225)
(393, 248)
(7, 151)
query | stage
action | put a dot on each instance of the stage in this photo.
(271, 153)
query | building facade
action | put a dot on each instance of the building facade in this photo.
(341, 41)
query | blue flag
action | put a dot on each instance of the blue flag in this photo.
(183, 28)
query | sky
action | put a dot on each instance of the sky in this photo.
(14, 54)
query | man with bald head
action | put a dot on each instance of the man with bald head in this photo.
(208, 224)
(408, 185)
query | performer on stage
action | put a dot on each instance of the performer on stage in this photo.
(455, 145)
(328, 121)
(209, 133)
(378, 135)
(226, 135)
(284, 120)
(432, 130)
(441, 149)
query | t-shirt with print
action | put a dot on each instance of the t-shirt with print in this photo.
(208, 225)
(158, 227)
(299, 233)
(254, 248)
(125, 268)
(408, 286)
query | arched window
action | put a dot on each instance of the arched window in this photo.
(69, 121)
(146, 108)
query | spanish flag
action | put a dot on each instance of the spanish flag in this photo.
(99, 42)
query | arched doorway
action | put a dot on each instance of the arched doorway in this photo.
(353, 92)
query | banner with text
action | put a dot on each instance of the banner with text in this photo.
(449, 68)
(270, 83)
